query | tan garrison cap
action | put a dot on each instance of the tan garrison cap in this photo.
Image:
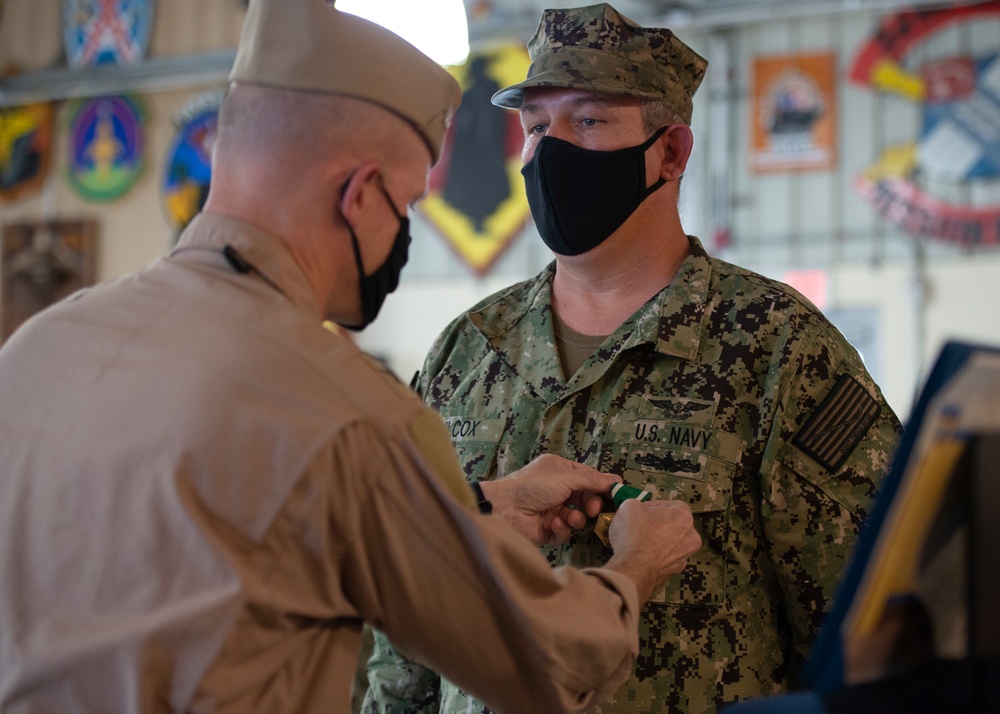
(599, 49)
(310, 45)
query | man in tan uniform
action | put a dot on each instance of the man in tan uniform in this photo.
(204, 494)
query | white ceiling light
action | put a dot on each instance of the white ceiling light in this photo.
(438, 28)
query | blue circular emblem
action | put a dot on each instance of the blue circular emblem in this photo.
(188, 168)
(107, 143)
(97, 32)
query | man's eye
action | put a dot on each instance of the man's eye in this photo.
(587, 121)
(536, 129)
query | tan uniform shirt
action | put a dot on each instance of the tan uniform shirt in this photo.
(203, 494)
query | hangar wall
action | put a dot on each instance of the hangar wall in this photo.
(899, 296)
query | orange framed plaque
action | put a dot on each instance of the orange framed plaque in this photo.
(793, 113)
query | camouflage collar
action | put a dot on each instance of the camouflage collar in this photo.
(499, 317)
(521, 316)
(518, 327)
(672, 319)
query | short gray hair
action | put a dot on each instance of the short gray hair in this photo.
(657, 113)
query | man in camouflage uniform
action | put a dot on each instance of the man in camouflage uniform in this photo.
(638, 353)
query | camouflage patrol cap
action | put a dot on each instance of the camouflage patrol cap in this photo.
(309, 45)
(598, 49)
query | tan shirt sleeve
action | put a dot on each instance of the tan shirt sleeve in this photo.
(466, 595)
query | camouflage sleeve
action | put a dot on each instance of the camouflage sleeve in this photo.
(832, 439)
(398, 686)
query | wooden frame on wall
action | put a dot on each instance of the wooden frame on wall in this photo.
(42, 263)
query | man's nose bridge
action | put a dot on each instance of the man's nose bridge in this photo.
(560, 128)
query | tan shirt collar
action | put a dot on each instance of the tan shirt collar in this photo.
(266, 255)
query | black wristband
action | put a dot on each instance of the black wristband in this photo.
(481, 502)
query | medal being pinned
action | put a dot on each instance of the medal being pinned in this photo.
(619, 494)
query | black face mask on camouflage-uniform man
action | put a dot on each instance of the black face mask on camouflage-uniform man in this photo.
(579, 197)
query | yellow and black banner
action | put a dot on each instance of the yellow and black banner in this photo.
(476, 196)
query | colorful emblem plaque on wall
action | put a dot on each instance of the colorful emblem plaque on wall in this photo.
(793, 113)
(25, 148)
(97, 32)
(476, 197)
(959, 142)
(188, 169)
(106, 147)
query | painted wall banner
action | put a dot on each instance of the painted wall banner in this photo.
(25, 148)
(919, 213)
(793, 113)
(97, 32)
(960, 140)
(960, 137)
(188, 166)
(476, 197)
(107, 144)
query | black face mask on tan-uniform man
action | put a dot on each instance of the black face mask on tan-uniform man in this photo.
(385, 278)
(578, 197)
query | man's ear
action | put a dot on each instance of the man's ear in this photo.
(355, 194)
(677, 142)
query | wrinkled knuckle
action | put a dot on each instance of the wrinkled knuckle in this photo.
(696, 541)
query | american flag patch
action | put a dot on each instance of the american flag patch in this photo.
(838, 424)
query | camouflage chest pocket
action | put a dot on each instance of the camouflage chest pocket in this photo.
(679, 455)
(476, 440)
